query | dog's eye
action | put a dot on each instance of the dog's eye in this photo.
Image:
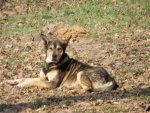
(50, 48)
(59, 49)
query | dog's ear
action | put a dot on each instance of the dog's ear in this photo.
(45, 39)
(65, 43)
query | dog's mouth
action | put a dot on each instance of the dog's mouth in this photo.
(53, 63)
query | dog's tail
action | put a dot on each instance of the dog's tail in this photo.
(115, 85)
(111, 84)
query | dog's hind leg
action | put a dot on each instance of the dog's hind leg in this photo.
(84, 81)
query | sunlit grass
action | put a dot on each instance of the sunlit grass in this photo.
(112, 16)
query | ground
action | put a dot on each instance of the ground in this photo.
(117, 38)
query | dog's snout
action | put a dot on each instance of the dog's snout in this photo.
(54, 56)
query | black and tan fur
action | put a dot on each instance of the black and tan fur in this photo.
(64, 72)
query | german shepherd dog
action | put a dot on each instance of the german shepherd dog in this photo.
(64, 72)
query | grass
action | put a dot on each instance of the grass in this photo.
(101, 19)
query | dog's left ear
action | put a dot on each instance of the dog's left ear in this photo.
(65, 43)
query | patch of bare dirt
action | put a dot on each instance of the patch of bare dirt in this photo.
(64, 31)
(127, 60)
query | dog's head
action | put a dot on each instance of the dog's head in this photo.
(55, 49)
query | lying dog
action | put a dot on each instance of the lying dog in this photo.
(62, 71)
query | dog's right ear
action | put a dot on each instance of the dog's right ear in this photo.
(45, 39)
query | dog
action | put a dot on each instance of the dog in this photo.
(61, 71)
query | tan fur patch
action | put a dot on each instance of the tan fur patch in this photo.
(84, 81)
(42, 75)
(53, 76)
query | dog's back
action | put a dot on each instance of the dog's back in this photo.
(99, 77)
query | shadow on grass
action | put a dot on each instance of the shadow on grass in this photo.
(118, 94)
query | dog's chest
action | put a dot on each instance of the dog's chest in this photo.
(53, 75)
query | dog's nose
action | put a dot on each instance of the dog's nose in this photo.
(54, 56)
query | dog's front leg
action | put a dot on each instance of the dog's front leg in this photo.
(29, 82)
(36, 82)
(12, 82)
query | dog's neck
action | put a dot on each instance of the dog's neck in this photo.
(64, 60)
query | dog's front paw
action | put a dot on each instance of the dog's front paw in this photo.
(60, 88)
(10, 82)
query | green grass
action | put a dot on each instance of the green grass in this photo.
(110, 17)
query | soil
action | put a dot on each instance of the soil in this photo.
(127, 61)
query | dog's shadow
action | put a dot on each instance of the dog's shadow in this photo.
(120, 94)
